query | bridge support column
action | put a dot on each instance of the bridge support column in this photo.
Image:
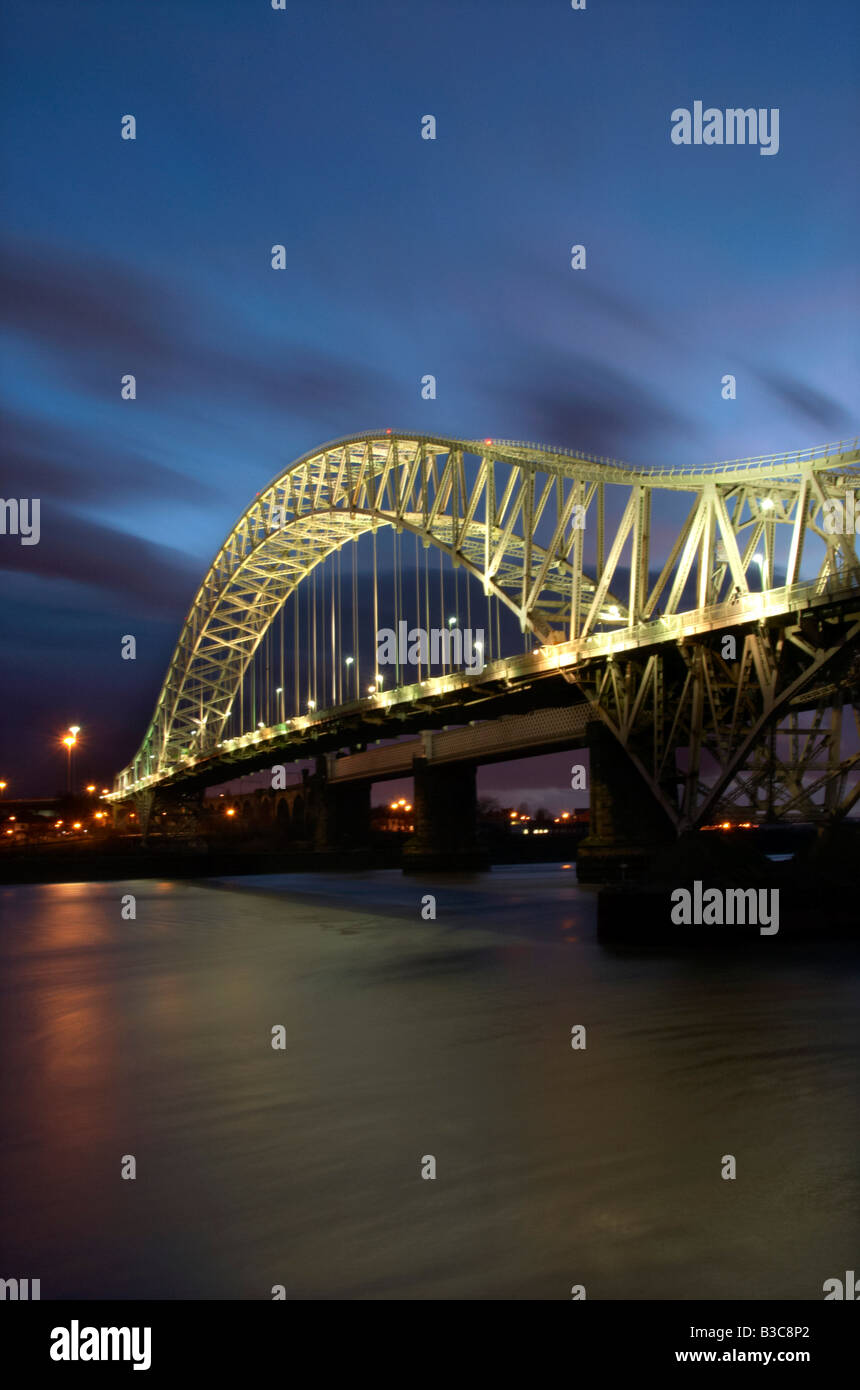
(143, 804)
(340, 813)
(445, 835)
(627, 823)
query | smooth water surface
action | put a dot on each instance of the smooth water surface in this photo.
(407, 1038)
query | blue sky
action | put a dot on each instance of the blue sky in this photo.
(404, 257)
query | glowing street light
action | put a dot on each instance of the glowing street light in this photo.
(2, 788)
(70, 742)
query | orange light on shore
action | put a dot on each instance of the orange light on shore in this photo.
(76, 825)
(231, 811)
(70, 740)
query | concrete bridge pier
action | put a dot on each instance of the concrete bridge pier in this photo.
(445, 802)
(163, 810)
(627, 823)
(339, 813)
(144, 801)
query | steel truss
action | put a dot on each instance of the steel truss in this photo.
(772, 733)
(565, 542)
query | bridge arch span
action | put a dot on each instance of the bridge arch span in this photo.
(513, 516)
(415, 483)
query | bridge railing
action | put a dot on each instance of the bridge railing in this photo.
(753, 605)
(787, 459)
(793, 457)
(554, 449)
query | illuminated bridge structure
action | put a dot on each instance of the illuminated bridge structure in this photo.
(696, 627)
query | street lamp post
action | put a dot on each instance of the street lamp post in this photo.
(70, 740)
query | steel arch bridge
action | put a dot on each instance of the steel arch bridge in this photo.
(565, 543)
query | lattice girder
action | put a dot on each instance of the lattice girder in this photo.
(515, 516)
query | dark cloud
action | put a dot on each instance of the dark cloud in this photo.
(129, 572)
(809, 402)
(73, 303)
(101, 320)
(586, 405)
(622, 311)
(44, 459)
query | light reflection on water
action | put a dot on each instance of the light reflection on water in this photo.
(404, 1038)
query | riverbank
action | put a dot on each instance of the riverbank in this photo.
(126, 857)
(715, 889)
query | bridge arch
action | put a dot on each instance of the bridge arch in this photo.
(484, 504)
(340, 492)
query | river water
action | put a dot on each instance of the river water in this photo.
(407, 1038)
